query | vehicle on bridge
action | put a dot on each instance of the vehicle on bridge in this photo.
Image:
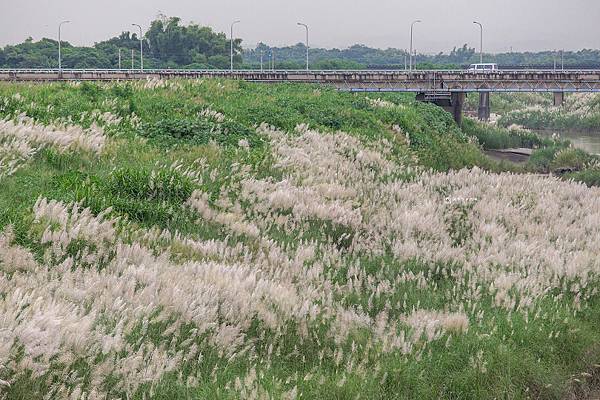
(483, 67)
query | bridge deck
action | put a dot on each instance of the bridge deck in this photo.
(356, 81)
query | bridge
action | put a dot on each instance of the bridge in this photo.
(446, 88)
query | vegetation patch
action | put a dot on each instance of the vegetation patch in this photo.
(221, 239)
(169, 132)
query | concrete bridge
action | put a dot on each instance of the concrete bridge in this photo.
(446, 88)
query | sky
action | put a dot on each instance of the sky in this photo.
(520, 25)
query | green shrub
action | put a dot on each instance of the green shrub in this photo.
(541, 159)
(497, 138)
(170, 132)
(570, 158)
(590, 177)
(90, 90)
(124, 91)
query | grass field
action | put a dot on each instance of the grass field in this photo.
(220, 239)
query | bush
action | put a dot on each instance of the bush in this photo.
(590, 177)
(492, 138)
(571, 159)
(170, 132)
(541, 159)
(124, 91)
(90, 90)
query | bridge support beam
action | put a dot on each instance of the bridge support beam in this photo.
(458, 100)
(484, 106)
(559, 99)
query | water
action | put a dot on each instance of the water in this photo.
(587, 141)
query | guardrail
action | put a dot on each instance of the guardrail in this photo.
(348, 80)
(286, 71)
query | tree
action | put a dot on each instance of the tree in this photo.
(170, 41)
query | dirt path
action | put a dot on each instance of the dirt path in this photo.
(516, 156)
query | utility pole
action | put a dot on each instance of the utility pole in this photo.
(141, 48)
(480, 41)
(305, 26)
(231, 43)
(59, 47)
(119, 58)
(132, 59)
(562, 59)
(411, 42)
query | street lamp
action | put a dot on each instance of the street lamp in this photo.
(480, 42)
(261, 60)
(305, 26)
(411, 41)
(141, 47)
(59, 47)
(273, 59)
(231, 43)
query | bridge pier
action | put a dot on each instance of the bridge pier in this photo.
(484, 106)
(458, 100)
(559, 99)
(452, 102)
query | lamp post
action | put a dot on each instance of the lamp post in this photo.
(261, 60)
(411, 42)
(231, 42)
(480, 41)
(306, 27)
(415, 59)
(59, 47)
(119, 58)
(141, 47)
(273, 60)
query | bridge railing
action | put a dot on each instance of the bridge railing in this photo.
(282, 71)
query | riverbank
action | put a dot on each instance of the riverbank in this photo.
(222, 239)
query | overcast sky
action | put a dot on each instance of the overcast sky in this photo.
(520, 24)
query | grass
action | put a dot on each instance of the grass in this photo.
(500, 357)
(492, 138)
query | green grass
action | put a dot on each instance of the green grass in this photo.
(492, 138)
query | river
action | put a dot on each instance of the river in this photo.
(587, 141)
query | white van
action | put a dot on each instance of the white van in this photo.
(483, 67)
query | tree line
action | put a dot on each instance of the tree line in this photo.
(167, 44)
(170, 44)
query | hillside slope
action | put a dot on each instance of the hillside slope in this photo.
(218, 239)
